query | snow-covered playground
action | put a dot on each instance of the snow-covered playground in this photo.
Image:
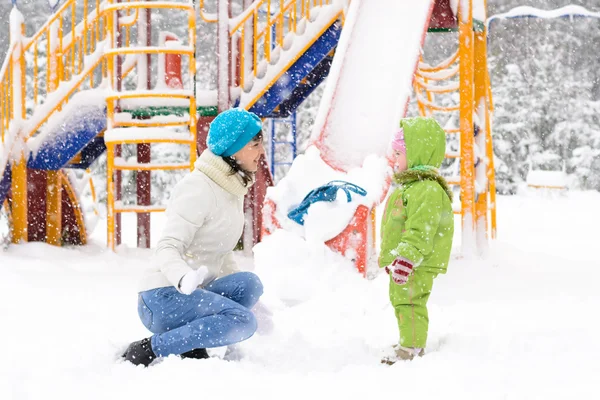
(106, 105)
(517, 325)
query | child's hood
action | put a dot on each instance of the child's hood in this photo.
(425, 141)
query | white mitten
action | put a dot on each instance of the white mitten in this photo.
(190, 281)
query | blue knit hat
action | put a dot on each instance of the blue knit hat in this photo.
(231, 131)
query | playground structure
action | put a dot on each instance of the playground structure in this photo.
(385, 100)
(64, 102)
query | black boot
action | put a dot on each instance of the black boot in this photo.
(140, 352)
(196, 353)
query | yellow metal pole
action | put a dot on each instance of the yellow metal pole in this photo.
(19, 200)
(54, 208)
(110, 59)
(19, 168)
(59, 56)
(110, 147)
(490, 156)
(491, 170)
(467, 181)
(83, 47)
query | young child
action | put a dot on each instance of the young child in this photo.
(417, 229)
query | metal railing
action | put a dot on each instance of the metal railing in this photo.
(64, 56)
(6, 97)
(266, 24)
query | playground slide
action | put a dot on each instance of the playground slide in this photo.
(370, 82)
(68, 131)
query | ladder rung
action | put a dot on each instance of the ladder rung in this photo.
(141, 124)
(153, 4)
(138, 209)
(146, 135)
(128, 166)
(133, 98)
(125, 119)
(185, 50)
(452, 154)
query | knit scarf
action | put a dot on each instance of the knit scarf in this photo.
(422, 173)
(219, 171)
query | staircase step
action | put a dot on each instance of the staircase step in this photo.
(146, 135)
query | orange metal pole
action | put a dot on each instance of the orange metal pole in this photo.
(491, 170)
(19, 200)
(490, 155)
(110, 196)
(467, 182)
(481, 105)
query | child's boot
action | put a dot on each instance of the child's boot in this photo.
(403, 354)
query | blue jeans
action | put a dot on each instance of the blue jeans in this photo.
(218, 315)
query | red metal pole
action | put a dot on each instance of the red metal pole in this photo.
(143, 178)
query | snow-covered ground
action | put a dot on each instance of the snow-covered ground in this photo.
(521, 324)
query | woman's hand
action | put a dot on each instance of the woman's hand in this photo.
(190, 281)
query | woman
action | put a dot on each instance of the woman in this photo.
(196, 297)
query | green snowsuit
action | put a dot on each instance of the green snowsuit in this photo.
(418, 225)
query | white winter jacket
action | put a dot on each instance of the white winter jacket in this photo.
(205, 219)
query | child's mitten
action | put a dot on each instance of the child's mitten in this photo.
(400, 270)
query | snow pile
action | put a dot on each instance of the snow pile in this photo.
(555, 179)
(294, 269)
(325, 220)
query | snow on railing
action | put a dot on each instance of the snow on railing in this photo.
(11, 89)
(262, 30)
(6, 103)
(64, 53)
